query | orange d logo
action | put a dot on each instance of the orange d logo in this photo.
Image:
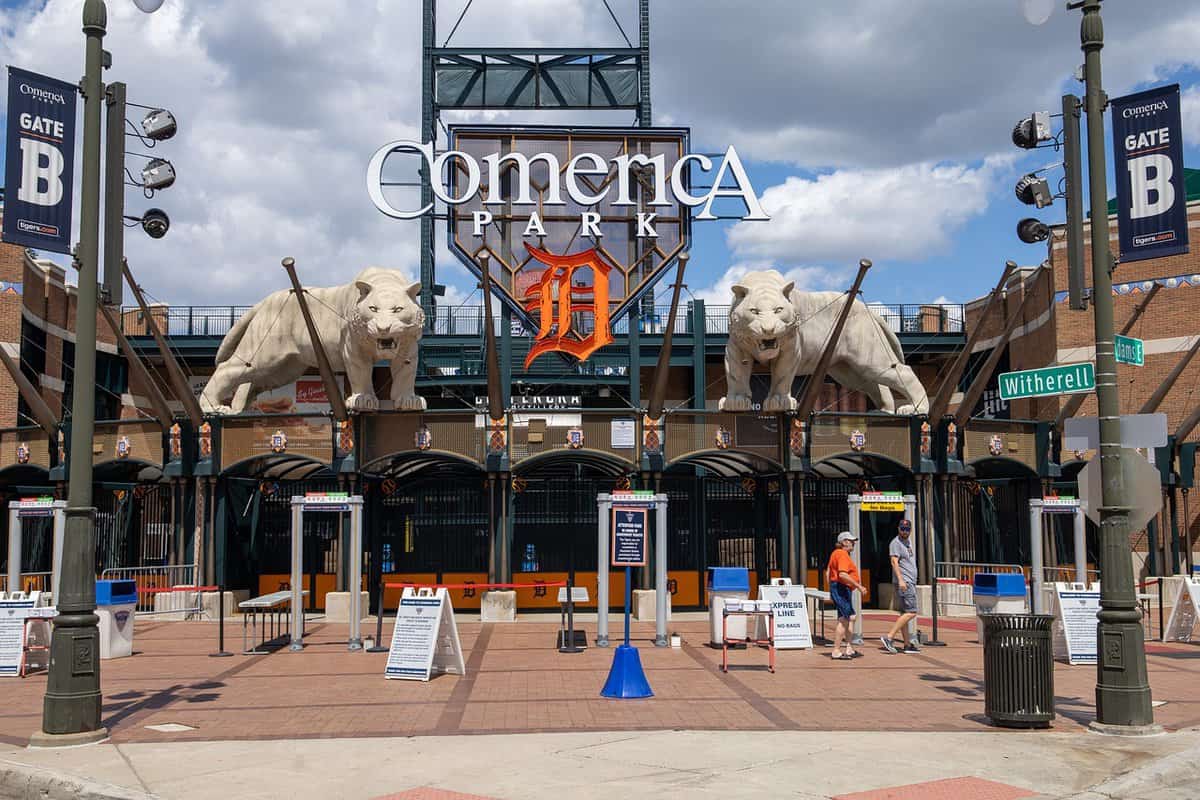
(555, 333)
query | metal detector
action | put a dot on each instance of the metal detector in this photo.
(327, 502)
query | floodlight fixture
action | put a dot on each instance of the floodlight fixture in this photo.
(148, 6)
(160, 173)
(1032, 231)
(155, 223)
(158, 124)
(1032, 190)
(1031, 131)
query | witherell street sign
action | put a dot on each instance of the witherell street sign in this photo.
(1048, 381)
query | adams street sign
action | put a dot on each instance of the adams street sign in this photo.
(1048, 381)
(1129, 350)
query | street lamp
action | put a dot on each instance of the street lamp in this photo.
(71, 708)
(1122, 687)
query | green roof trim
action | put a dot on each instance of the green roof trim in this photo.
(1191, 186)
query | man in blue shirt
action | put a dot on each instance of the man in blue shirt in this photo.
(904, 579)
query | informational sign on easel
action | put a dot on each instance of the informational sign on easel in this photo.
(1184, 613)
(425, 638)
(791, 615)
(1075, 608)
(17, 619)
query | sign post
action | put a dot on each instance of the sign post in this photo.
(626, 679)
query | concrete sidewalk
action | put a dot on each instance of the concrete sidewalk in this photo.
(704, 764)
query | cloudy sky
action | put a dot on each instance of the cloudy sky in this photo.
(870, 128)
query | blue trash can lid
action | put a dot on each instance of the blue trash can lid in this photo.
(728, 579)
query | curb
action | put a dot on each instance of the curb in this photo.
(1166, 773)
(23, 782)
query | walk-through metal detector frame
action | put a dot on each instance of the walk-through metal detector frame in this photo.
(1037, 511)
(854, 502)
(658, 503)
(25, 509)
(301, 505)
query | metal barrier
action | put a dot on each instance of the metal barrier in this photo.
(1066, 574)
(164, 577)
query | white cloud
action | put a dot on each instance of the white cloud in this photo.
(806, 278)
(901, 213)
(1189, 106)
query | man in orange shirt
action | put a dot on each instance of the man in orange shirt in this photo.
(843, 582)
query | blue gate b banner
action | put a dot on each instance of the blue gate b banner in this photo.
(1148, 155)
(39, 161)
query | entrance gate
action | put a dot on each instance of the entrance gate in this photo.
(855, 503)
(327, 503)
(39, 512)
(1038, 509)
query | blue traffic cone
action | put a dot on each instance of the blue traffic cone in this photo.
(626, 678)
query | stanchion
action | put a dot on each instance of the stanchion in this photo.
(934, 642)
(1162, 630)
(221, 651)
(378, 646)
(569, 646)
(626, 678)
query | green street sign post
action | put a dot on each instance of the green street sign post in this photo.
(1129, 350)
(1048, 381)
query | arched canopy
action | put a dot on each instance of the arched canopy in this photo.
(731, 463)
(1001, 467)
(561, 459)
(127, 470)
(859, 465)
(16, 476)
(278, 467)
(425, 463)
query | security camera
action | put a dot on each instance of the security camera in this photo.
(155, 223)
(159, 124)
(158, 174)
(1032, 231)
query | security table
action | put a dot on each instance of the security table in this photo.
(818, 598)
(769, 642)
(271, 605)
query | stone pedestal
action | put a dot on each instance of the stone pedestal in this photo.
(176, 606)
(337, 606)
(644, 602)
(498, 606)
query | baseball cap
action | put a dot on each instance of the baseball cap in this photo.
(847, 536)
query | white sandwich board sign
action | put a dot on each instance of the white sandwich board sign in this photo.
(1075, 608)
(791, 614)
(425, 638)
(1184, 613)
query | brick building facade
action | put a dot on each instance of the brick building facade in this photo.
(1050, 333)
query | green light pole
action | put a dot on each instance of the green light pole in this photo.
(71, 709)
(1122, 687)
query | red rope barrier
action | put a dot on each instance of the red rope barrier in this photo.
(553, 584)
(160, 590)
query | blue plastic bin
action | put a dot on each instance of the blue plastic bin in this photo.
(997, 593)
(116, 593)
(728, 579)
(999, 584)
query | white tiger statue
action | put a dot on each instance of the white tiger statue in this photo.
(771, 323)
(374, 317)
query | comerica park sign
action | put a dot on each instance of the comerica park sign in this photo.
(576, 224)
(582, 180)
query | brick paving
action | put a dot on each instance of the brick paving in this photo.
(517, 682)
(948, 789)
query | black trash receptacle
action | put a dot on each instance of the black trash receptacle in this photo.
(1018, 669)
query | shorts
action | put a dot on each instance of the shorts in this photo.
(906, 599)
(842, 598)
